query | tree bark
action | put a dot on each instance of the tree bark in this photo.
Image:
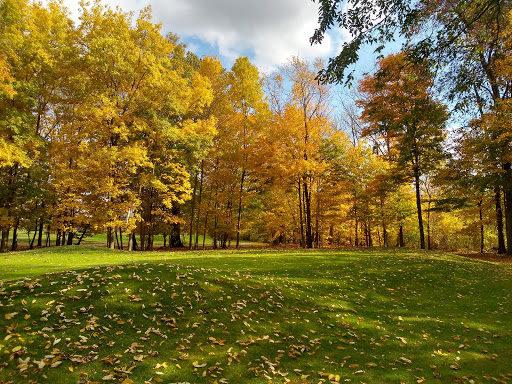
(429, 245)
(356, 224)
(384, 229)
(83, 234)
(31, 245)
(401, 242)
(192, 213)
(215, 227)
(40, 236)
(57, 238)
(307, 211)
(175, 234)
(207, 213)
(481, 226)
(151, 236)
(507, 190)
(370, 239)
(199, 204)
(240, 208)
(117, 238)
(302, 238)
(14, 244)
(499, 221)
(418, 204)
(5, 239)
(142, 238)
(71, 235)
(110, 238)
(317, 224)
(134, 242)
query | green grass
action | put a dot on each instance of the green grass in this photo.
(378, 316)
(100, 240)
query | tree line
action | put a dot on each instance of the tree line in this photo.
(107, 126)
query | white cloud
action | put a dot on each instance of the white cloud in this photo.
(268, 31)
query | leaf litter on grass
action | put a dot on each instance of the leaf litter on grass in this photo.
(369, 319)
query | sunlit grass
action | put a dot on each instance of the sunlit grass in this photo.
(372, 316)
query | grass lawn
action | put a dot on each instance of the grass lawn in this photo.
(359, 316)
(100, 240)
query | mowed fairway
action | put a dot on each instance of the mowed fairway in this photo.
(377, 316)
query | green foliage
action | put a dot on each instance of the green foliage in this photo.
(376, 23)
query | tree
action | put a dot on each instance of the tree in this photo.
(33, 65)
(377, 22)
(400, 107)
(311, 100)
(250, 109)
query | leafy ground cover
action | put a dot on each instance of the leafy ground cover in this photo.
(377, 316)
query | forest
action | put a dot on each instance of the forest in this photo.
(108, 126)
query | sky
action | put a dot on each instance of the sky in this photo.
(269, 32)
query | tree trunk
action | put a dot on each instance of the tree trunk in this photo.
(83, 234)
(134, 242)
(31, 242)
(481, 226)
(175, 234)
(384, 229)
(370, 239)
(40, 236)
(63, 238)
(418, 204)
(215, 227)
(302, 238)
(199, 204)
(57, 238)
(317, 224)
(499, 221)
(14, 244)
(5, 239)
(71, 235)
(507, 191)
(117, 238)
(192, 213)
(307, 211)
(142, 238)
(48, 236)
(356, 224)
(240, 209)
(110, 238)
(401, 242)
(206, 223)
(429, 245)
(151, 237)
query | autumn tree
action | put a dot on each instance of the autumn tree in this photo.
(311, 101)
(250, 110)
(32, 66)
(399, 106)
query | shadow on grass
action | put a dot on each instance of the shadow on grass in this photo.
(381, 317)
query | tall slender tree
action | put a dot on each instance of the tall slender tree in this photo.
(399, 105)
